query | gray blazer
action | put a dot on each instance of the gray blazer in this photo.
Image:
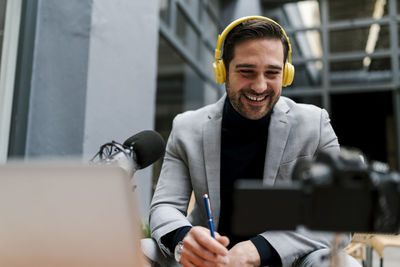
(192, 162)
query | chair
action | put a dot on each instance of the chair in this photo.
(357, 247)
(153, 255)
(380, 242)
(356, 250)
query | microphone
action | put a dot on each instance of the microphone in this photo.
(148, 145)
(136, 153)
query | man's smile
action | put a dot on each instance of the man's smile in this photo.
(254, 98)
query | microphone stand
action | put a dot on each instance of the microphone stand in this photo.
(336, 258)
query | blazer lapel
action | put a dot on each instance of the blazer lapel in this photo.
(278, 133)
(212, 156)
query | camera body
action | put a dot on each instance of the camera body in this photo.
(344, 184)
(338, 192)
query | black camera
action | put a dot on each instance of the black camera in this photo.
(334, 191)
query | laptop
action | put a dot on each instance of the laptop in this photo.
(67, 215)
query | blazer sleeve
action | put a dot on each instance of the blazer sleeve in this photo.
(171, 197)
(293, 245)
(328, 139)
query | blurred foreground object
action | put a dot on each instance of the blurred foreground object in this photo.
(67, 215)
(335, 192)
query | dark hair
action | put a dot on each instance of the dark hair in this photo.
(251, 30)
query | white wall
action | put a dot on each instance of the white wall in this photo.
(93, 78)
(121, 85)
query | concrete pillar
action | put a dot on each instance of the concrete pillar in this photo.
(56, 114)
(121, 82)
(93, 78)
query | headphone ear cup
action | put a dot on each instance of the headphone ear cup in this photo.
(219, 71)
(288, 74)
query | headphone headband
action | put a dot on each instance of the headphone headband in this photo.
(233, 24)
(219, 68)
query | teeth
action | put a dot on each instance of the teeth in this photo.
(255, 98)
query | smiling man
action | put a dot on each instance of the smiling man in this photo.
(254, 81)
(251, 132)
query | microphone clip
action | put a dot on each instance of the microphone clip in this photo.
(118, 154)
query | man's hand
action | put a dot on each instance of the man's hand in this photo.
(243, 254)
(200, 249)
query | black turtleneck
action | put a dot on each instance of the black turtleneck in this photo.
(243, 147)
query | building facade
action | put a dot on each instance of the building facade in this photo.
(77, 74)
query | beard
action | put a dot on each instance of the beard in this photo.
(241, 103)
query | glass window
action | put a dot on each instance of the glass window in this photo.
(398, 32)
(362, 123)
(208, 56)
(309, 13)
(164, 6)
(307, 44)
(382, 36)
(349, 65)
(210, 26)
(363, 71)
(398, 6)
(179, 88)
(192, 7)
(214, 5)
(2, 19)
(307, 74)
(355, 9)
(360, 39)
(186, 34)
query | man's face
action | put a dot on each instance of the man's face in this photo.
(254, 82)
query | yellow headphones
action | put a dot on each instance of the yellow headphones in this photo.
(219, 66)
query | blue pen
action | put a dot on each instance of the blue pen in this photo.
(209, 216)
